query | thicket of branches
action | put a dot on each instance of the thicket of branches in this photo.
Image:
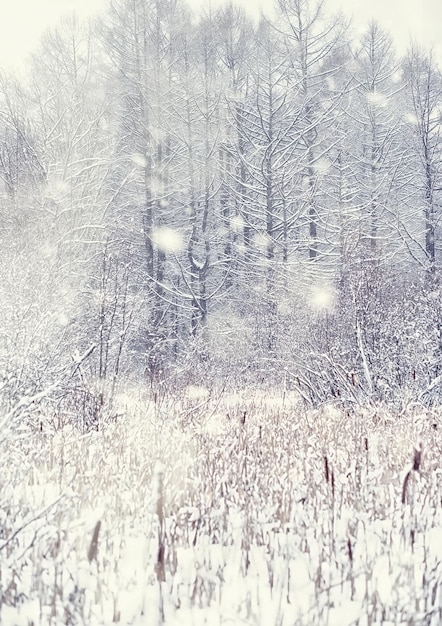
(191, 199)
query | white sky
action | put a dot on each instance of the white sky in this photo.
(22, 21)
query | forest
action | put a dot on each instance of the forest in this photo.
(211, 199)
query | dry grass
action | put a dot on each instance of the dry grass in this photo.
(251, 509)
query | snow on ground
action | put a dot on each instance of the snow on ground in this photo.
(215, 508)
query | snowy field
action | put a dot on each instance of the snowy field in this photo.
(211, 509)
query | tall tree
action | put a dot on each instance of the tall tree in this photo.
(311, 37)
(424, 120)
(144, 42)
(236, 44)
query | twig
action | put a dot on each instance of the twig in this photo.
(31, 521)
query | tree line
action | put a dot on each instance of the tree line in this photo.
(215, 199)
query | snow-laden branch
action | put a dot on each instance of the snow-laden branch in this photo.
(27, 401)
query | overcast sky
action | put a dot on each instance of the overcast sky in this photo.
(22, 21)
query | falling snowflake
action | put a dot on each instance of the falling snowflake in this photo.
(322, 297)
(167, 239)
